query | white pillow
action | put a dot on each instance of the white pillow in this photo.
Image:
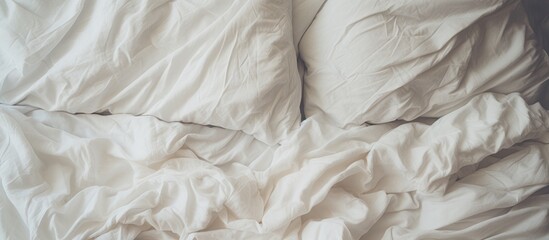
(378, 61)
(303, 14)
(225, 63)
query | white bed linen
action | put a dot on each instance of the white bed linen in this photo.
(230, 64)
(303, 14)
(107, 172)
(379, 61)
(481, 171)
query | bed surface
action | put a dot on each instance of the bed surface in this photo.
(171, 157)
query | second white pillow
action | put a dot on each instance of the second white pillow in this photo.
(378, 61)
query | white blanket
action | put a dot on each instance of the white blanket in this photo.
(479, 172)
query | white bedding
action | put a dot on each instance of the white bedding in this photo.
(244, 167)
(380, 61)
(225, 63)
(88, 176)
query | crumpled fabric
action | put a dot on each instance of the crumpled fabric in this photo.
(480, 172)
(229, 64)
(379, 61)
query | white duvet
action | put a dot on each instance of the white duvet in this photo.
(481, 171)
(219, 151)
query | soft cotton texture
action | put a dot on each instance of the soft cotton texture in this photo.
(224, 63)
(88, 176)
(303, 14)
(479, 170)
(379, 61)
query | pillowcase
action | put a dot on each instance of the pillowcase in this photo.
(303, 13)
(379, 61)
(224, 63)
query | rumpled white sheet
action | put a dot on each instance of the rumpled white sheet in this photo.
(229, 64)
(380, 61)
(479, 172)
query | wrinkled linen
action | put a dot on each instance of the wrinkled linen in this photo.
(481, 171)
(303, 13)
(379, 61)
(230, 64)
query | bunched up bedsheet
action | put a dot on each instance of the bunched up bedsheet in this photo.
(479, 172)
(183, 120)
